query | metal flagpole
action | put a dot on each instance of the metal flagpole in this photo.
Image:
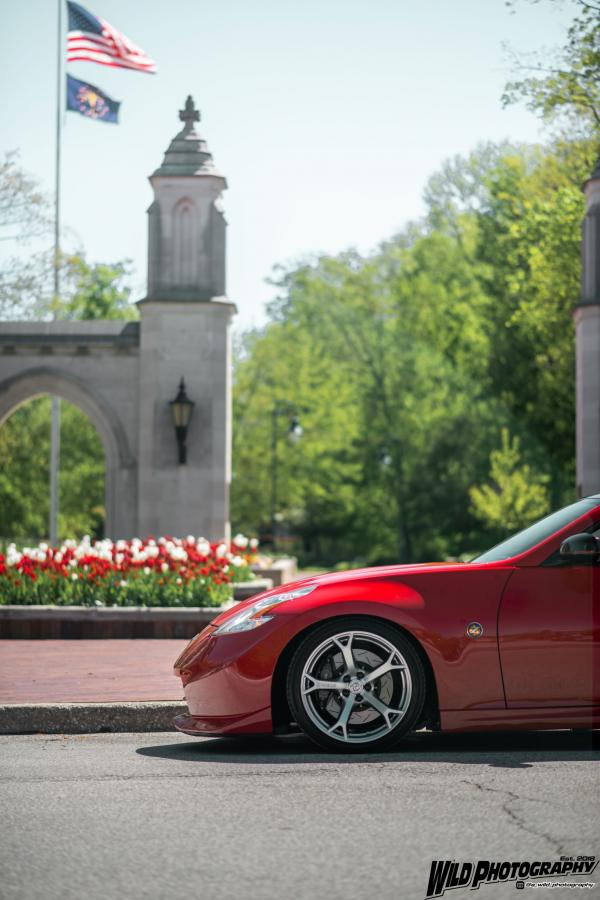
(54, 469)
(60, 50)
(55, 426)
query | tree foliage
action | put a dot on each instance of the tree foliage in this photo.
(94, 291)
(517, 494)
(25, 474)
(24, 208)
(566, 86)
(24, 217)
(408, 366)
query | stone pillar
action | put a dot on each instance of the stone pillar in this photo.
(185, 332)
(587, 337)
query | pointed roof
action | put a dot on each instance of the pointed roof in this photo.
(188, 153)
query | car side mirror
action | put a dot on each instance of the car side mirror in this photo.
(581, 547)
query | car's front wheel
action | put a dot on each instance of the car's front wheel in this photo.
(356, 684)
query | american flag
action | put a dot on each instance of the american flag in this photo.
(92, 39)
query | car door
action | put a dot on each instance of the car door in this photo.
(549, 634)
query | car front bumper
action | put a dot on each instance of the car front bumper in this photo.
(227, 681)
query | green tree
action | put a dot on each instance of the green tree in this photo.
(391, 394)
(24, 476)
(94, 290)
(517, 495)
(566, 86)
(529, 242)
(24, 218)
(410, 362)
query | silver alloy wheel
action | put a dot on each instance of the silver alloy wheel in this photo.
(356, 686)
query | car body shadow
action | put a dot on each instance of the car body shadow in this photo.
(497, 749)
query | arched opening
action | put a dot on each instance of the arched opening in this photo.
(25, 473)
(120, 471)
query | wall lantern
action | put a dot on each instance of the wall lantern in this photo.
(181, 410)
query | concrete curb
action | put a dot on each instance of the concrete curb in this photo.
(88, 718)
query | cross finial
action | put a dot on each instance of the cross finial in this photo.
(189, 114)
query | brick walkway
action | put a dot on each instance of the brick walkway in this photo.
(89, 671)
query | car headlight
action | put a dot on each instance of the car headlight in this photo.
(248, 618)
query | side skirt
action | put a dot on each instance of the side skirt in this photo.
(520, 719)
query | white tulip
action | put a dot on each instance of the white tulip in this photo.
(13, 556)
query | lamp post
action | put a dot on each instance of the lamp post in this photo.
(294, 433)
(181, 411)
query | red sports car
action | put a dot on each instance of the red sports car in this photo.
(357, 659)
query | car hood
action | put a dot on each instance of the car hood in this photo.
(374, 573)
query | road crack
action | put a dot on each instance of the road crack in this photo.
(517, 819)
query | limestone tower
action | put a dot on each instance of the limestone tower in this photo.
(587, 336)
(184, 333)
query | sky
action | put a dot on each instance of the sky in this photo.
(327, 117)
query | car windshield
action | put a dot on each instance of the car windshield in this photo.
(538, 532)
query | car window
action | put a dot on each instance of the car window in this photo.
(538, 532)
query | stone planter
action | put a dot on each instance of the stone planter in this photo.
(83, 622)
(282, 571)
(245, 589)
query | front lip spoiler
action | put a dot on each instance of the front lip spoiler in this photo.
(258, 722)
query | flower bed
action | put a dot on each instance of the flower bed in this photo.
(162, 571)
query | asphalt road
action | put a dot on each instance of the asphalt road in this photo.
(169, 817)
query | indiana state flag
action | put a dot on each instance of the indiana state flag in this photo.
(90, 101)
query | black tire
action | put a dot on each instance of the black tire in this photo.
(326, 656)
